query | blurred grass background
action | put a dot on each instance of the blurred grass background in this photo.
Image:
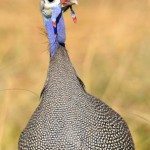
(109, 47)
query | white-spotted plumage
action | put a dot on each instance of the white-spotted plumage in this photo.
(68, 118)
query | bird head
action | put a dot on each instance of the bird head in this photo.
(47, 5)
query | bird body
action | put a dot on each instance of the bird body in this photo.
(68, 118)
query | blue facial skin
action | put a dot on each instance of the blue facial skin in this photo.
(56, 34)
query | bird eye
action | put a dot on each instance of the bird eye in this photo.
(50, 0)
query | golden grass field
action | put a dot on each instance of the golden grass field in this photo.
(109, 47)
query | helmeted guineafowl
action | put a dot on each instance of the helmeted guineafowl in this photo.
(68, 118)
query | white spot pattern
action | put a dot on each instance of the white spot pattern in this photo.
(68, 118)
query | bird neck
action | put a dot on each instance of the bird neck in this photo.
(62, 78)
